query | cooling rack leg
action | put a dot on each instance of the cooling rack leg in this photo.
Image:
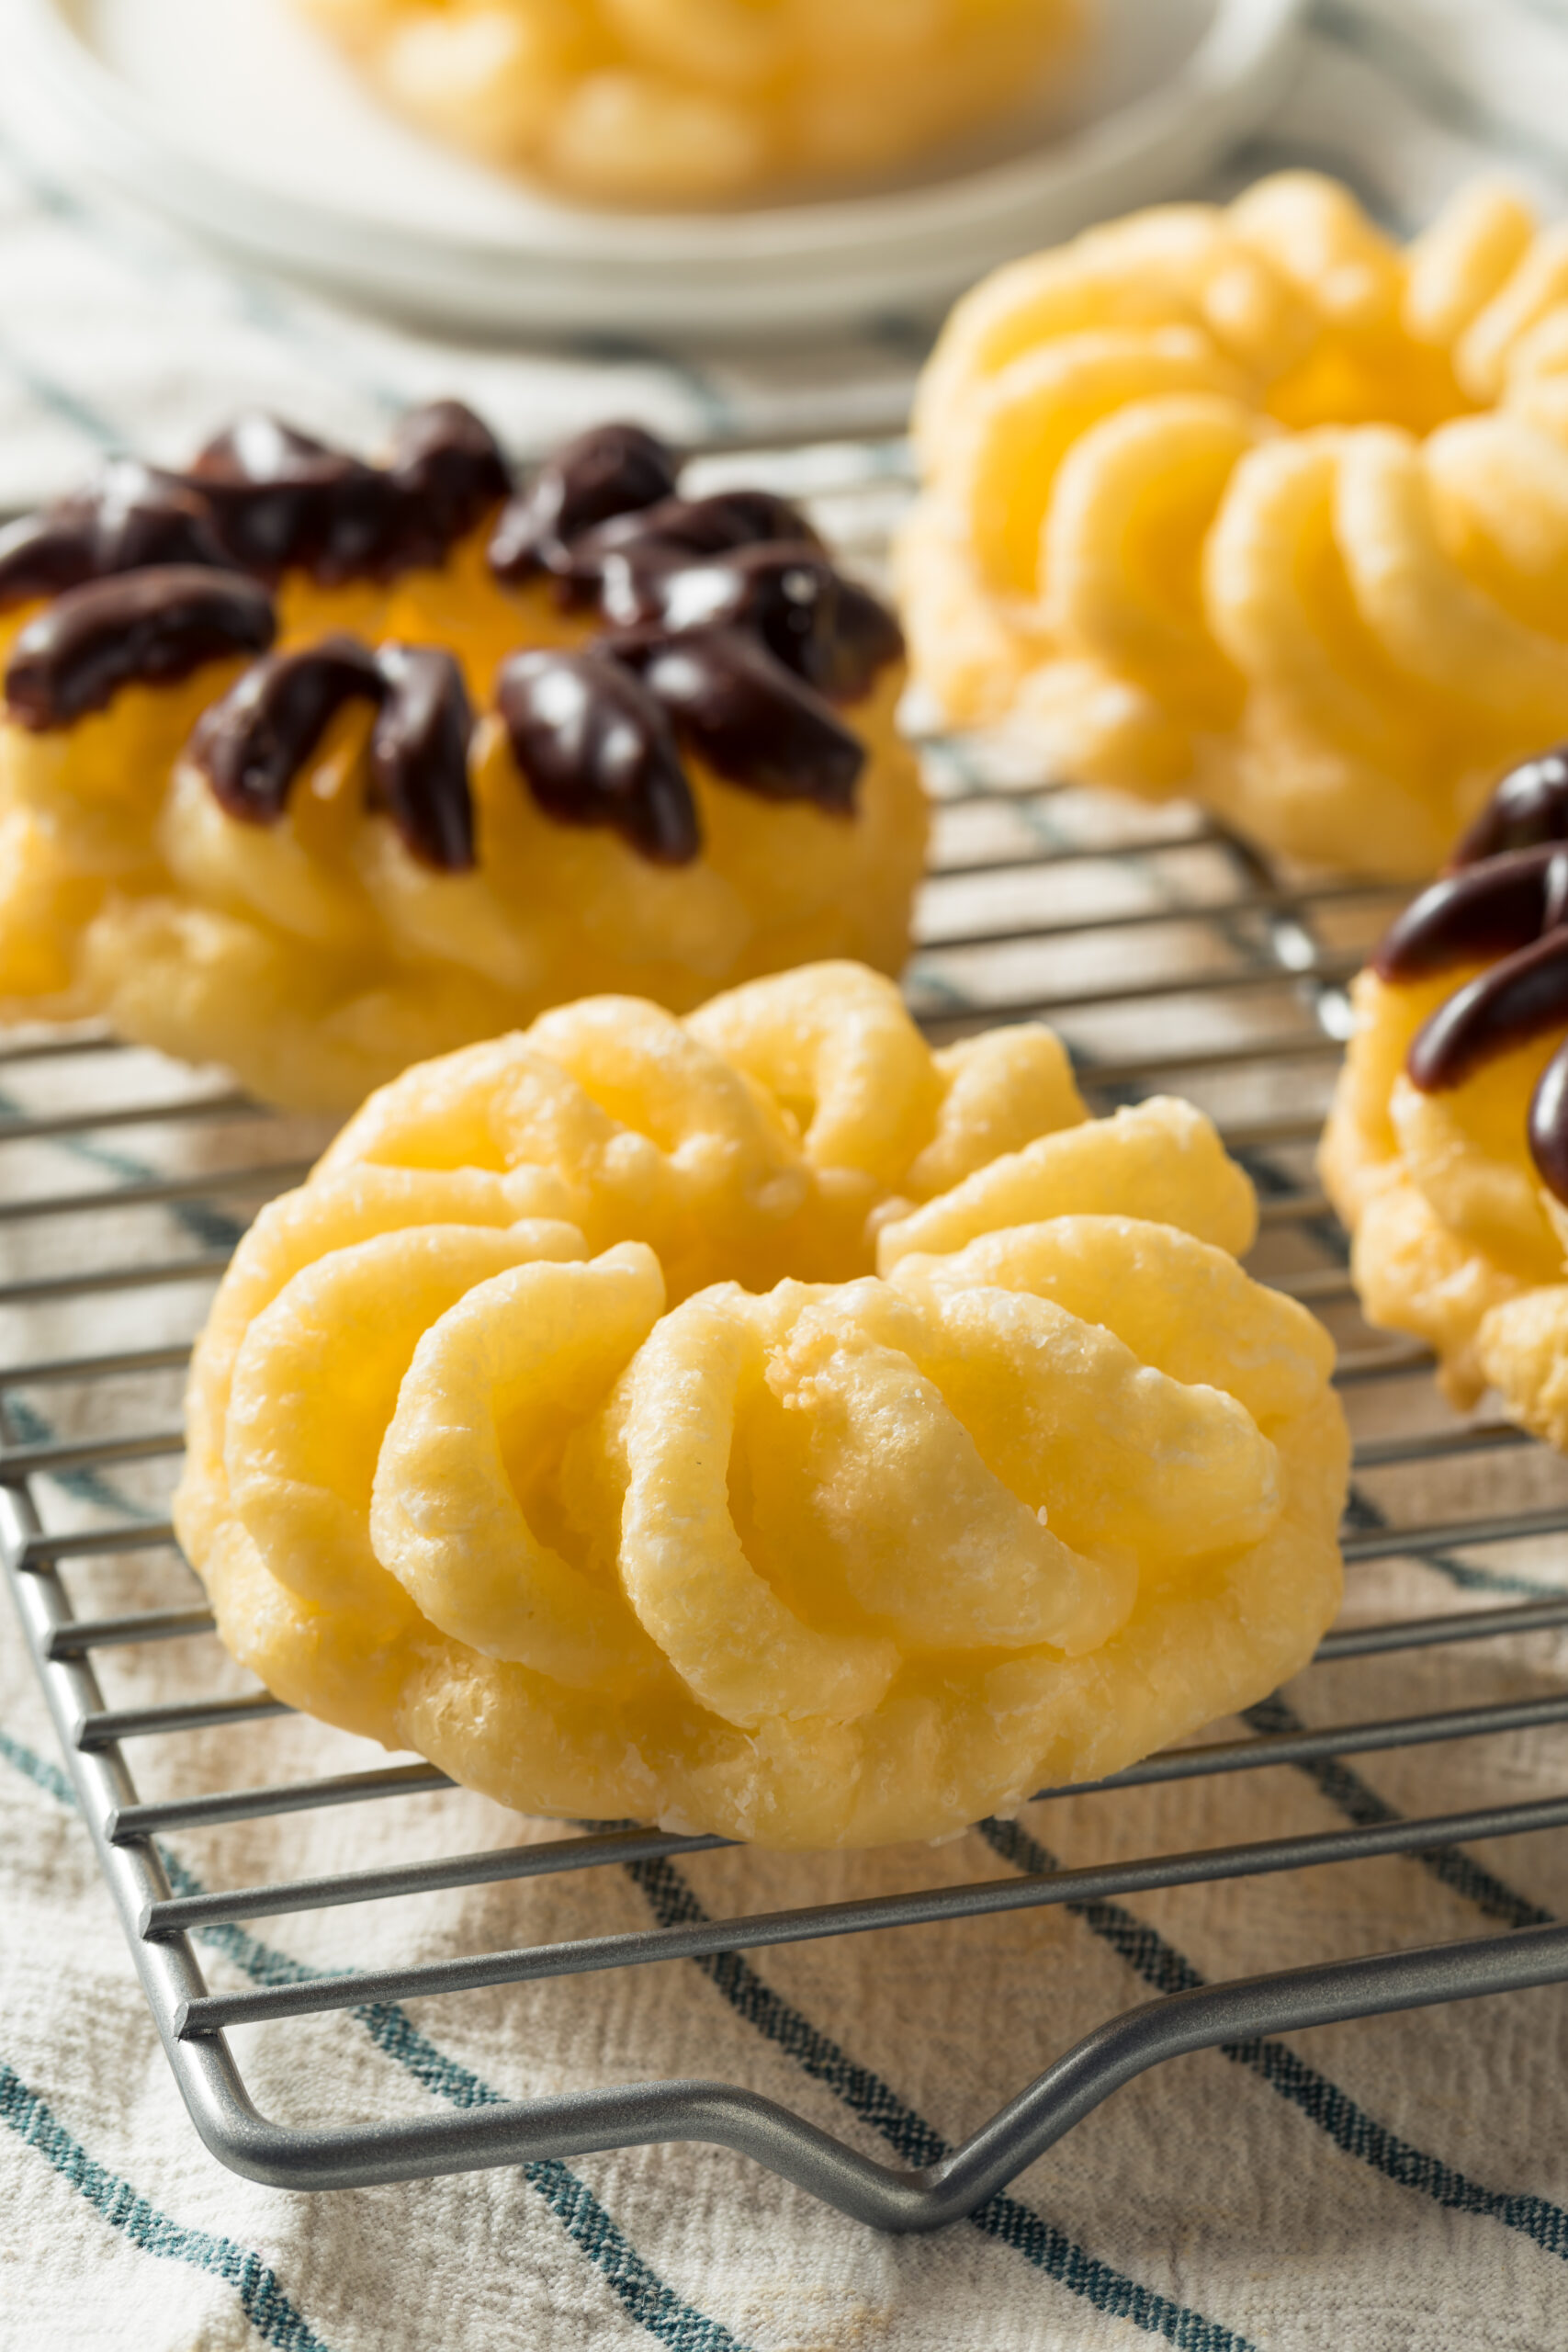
(883, 2197)
(101, 1778)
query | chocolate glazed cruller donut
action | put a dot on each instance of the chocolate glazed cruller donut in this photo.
(762, 1425)
(318, 865)
(1446, 1149)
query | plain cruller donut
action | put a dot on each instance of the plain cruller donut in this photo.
(1249, 503)
(760, 1424)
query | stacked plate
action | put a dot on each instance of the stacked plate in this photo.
(238, 122)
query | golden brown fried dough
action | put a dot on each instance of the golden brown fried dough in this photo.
(1249, 503)
(763, 1425)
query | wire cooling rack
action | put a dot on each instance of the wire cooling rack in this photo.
(1170, 957)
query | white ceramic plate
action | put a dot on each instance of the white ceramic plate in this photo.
(237, 119)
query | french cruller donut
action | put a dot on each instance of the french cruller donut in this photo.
(693, 102)
(314, 768)
(1446, 1149)
(760, 1424)
(1249, 504)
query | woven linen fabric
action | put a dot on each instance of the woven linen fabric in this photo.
(1392, 2185)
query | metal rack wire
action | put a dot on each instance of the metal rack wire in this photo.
(1168, 954)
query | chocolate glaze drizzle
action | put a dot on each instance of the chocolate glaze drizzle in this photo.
(146, 626)
(597, 734)
(732, 635)
(623, 565)
(1523, 997)
(726, 608)
(450, 471)
(129, 518)
(604, 520)
(1506, 902)
(786, 595)
(280, 499)
(262, 497)
(419, 755)
(611, 469)
(1548, 1125)
(754, 721)
(252, 745)
(1505, 896)
(1529, 806)
(595, 747)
